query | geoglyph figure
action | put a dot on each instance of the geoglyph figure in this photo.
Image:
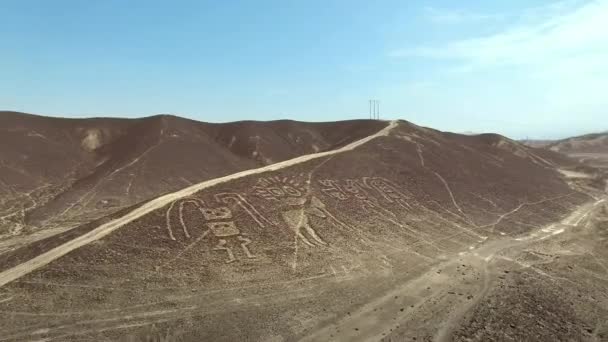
(225, 230)
(219, 224)
(298, 219)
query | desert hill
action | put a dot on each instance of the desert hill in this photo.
(590, 149)
(589, 143)
(57, 173)
(406, 229)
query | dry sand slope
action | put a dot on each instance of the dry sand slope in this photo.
(402, 234)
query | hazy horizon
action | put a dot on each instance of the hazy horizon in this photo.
(524, 69)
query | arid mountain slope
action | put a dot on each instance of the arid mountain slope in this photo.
(591, 149)
(342, 245)
(64, 172)
(589, 143)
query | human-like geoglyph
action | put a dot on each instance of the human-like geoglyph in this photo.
(219, 223)
(297, 219)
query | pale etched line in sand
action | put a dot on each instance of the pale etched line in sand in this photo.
(117, 327)
(554, 228)
(420, 155)
(520, 206)
(24, 209)
(159, 202)
(538, 270)
(80, 313)
(227, 197)
(452, 223)
(79, 201)
(575, 219)
(599, 202)
(418, 149)
(593, 274)
(45, 283)
(447, 187)
(484, 199)
(153, 317)
(298, 233)
(187, 248)
(89, 195)
(135, 160)
(168, 220)
(128, 191)
(7, 186)
(599, 262)
(139, 315)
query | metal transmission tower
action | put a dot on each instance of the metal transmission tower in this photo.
(374, 109)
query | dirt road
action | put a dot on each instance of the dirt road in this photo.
(442, 296)
(105, 229)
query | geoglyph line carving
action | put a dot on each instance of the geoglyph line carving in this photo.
(168, 221)
(219, 223)
(301, 207)
(221, 246)
(387, 190)
(244, 242)
(362, 190)
(320, 207)
(225, 230)
(298, 220)
(275, 188)
(220, 213)
(198, 203)
(370, 204)
(354, 188)
(227, 197)
(332, 189)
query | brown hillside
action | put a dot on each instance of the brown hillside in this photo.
(58, 173)
(407, 219)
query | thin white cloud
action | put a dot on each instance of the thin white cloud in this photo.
(567, 34)
(456, 16)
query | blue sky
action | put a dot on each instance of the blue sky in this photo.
(521, 68)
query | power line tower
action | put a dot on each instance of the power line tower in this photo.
(374, 109)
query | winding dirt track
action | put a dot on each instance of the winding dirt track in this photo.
(372, 323)
(105, 229)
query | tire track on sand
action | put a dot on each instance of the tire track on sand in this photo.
(159, 202)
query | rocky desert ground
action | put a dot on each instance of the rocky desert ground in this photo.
(395, 232)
